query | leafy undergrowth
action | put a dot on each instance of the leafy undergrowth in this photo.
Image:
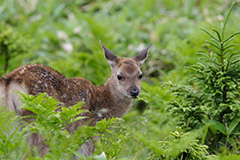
(49, 122)
(143, 139)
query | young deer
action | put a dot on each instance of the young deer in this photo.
(113, 99)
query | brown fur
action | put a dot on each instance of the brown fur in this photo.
(113, 99)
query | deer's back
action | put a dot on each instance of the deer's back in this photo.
(39, 79)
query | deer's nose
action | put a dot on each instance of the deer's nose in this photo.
(134, 92)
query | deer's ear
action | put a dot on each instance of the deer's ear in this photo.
(110, 57)
(142, 56)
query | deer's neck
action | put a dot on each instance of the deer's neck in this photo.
(116, 104)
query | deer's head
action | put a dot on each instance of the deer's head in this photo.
(126, 74)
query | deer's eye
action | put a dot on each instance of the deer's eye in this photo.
(140, 76)
(119, 77)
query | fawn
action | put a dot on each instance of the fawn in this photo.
(113, 99)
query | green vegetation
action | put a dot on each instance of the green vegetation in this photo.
(189, 105)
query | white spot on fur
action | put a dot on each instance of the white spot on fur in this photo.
(90, 87)
(22, 71)
(102, 111)
(89, 95)
(64, 96)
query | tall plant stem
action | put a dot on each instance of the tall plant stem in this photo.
(224, 91)
(221, 52)
(223, 70)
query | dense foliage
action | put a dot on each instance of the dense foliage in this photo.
(215, 103)
(189, 105)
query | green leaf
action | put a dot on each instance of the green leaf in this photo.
(217, 42)
(209, 34)
(225, 22)
(232, 142)
(205, 133)
(230, 46)
(227, 51)
(233, 125)
(213, 45)
(230, 38)
(219, 126)
(219, 37)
